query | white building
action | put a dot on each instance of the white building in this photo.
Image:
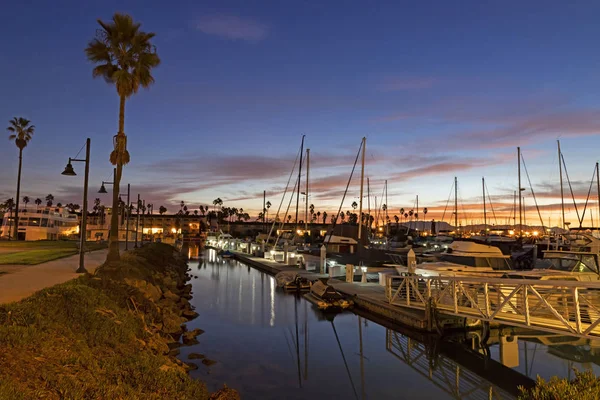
(41, 223)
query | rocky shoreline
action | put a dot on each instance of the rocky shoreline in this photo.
(127, 323)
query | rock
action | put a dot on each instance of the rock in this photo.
(158, 345)
(208, 362)
(189, 338)
(172, 323)
(225, 394)
(174, 352)
(187, 296)
(171, 296)
(189, 314)
(173, 345)
(147, 289)
(196, 356)
(191, 366)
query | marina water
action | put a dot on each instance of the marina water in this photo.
(269, 344)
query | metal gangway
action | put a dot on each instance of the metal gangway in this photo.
(460, 383)
(564, 307)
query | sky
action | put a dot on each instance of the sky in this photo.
(439, 89)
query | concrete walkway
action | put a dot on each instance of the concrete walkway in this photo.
(24, 281)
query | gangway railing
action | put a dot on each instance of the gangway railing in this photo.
(446, 374)
(566, 307)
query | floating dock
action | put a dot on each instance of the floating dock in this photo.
(370, 297)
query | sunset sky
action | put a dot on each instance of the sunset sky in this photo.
(439, 88)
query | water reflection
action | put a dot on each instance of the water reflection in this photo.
(272, 345)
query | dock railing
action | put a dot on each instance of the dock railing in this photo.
(566, 307)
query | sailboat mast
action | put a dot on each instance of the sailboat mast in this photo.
(386, 210)
(515, 211)
(484, 211)
(299, 177)
(307, 172)
(598, 185)
(455, 203)
(369, 209)
(562, 199)
(519, 190)
(362, 180)
(417, 219)
(524, 214)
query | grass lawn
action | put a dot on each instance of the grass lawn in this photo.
(31, 253)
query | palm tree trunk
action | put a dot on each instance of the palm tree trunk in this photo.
(18, 195)
(113, 242)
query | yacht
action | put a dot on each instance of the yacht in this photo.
(577, 259)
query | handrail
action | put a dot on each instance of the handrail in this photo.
(570, 307)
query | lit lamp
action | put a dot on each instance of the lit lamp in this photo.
(69, 171)
(103, 191)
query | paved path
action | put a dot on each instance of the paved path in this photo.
(25, 281)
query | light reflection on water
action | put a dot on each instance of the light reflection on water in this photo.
(273, 345)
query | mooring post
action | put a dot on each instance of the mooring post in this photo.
(323, 259)
(285, 253)
(349, 273)
(411, 262)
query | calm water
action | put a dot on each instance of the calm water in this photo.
(273, 345)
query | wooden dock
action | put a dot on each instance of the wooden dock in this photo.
(370, 297)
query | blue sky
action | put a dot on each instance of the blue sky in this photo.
(440, 89)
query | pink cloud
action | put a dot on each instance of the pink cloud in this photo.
(233, 27)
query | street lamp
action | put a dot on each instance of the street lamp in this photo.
(103, 191)
(69, 171)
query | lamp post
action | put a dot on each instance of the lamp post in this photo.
(137, 224)
(83, 231)
(103, 190)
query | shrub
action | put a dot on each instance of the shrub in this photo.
(585, 386)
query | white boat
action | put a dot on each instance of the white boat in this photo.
(477, 255)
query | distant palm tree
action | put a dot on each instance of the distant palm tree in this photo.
(162, 210)
(26, 200)
(289, 218)
(342, 216)
(354, 205)
(202, 210)
(182, 204)
(38, 202)
(9, 204)
(49, 200)
(21, 132)
(324, 217)
(396, 219)
(124, 56)
(58, 204)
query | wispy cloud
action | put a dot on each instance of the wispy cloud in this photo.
(233, 27)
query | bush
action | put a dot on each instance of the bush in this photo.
(585, 386)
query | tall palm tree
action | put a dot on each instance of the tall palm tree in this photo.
(26, 200)
(21, 131)
(124, 57)
(49, 200)
(354, 205)
(38, 202)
